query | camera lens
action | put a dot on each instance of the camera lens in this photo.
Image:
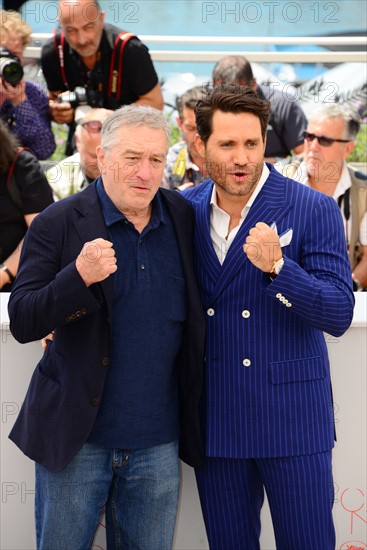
(10, 71)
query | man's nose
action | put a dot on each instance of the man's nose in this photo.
(83, 37)
(314, 144)
(240, 156)
(144, 169)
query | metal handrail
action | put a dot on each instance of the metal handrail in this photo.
(34, 51)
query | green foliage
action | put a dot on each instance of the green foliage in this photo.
(61, 134)
(359, 154)
(175, 135)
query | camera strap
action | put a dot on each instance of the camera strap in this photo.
(59, 42)
(115, 80)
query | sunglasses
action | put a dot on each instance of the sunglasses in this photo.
(323, 140)
(92, 126)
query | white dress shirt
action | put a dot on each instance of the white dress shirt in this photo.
(219, 219)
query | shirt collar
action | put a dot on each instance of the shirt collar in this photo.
(113, 215)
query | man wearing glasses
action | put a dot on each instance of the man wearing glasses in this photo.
(329, 140)
(76, 172)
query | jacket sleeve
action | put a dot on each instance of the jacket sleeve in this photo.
(48, 291)
(318, 287)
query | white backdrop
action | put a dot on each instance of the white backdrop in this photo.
(348, 356)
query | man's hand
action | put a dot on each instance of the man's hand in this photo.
(62, 113)
(262, 247)
(96, 261)
(44, 340)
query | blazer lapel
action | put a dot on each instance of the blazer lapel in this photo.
(203, 244)
(89, 224)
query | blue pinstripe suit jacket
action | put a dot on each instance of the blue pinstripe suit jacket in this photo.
(268, 390)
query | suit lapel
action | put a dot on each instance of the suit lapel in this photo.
(203, 244)
(89, 224)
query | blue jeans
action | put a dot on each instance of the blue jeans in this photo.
(137, 488)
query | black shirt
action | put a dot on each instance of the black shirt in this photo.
(35, 194)
(138, 73)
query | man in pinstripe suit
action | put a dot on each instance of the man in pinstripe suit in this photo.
(274, 275)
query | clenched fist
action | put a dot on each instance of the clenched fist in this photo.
(96, 261)
(262, 247)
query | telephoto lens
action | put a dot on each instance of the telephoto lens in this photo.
(10, 69)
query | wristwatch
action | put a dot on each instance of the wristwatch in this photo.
(277, 266)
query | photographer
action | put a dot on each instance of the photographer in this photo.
(23, 104)
(88, 54)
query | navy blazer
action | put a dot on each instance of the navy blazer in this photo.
(267, 375)
(67, 386)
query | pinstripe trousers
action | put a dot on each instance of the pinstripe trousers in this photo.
(300, 494)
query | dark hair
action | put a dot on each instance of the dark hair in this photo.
(8, 149)
(233, 69)
(230, 99)
(189, 99)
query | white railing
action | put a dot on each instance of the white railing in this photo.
(34, 51)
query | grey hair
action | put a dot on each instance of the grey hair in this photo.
(134, 116)
(352, 121)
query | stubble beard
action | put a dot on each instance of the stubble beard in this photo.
(218, 174)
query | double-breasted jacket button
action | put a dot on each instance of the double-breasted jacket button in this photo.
(210, 312)
(246, 362)
(105, 361)
(246, 314)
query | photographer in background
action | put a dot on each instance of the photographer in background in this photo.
(23, 104)
(24, 192)
(111, 67)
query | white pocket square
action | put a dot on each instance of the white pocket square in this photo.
(285, 238)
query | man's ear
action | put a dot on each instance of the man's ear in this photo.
(348, 148)
(200, 146)
(77, 140)
(179, 123)
(101, 159)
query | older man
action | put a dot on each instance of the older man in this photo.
(329, 140)
(74, 173)
(110, 270)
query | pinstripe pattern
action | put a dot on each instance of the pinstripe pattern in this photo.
(231, 493)
(281, 404)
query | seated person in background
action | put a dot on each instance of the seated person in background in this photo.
(74, 173)
(24, 192)
(184, 166)
(329, 140)
(84, 55)
(287, 121)
(23, 106)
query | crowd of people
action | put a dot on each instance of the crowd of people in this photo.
(166, 316)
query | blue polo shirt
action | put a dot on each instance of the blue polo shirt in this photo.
(139, 407)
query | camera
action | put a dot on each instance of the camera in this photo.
(10, 69)
(80, 96)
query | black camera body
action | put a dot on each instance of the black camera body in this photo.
(10, 69)
(79, 96)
